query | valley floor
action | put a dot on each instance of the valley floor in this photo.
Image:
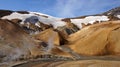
(102, 61)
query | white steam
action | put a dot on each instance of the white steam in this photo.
(50, 44)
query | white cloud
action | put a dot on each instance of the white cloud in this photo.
(67, 7)
(72, 8)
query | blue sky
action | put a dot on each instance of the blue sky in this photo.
(61, 8)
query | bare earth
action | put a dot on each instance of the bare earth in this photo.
(80, 63)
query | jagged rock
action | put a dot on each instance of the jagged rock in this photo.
(5, 12)
(113, 13)
(70, 27)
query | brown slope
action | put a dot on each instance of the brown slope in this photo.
(48, 34)
(98, 39)
(15, 43)
(51, 38)
(83, 63)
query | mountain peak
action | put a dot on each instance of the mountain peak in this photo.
(114, 11)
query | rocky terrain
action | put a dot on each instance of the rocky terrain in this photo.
(32, 39)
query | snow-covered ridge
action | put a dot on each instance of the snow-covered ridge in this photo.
(56, 22)
(89, 20)
(36, 18)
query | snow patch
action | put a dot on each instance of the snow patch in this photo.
(55, 22)
(89, 20)
(16, 15)
(118, 16)
(39, 13)
(37, 24)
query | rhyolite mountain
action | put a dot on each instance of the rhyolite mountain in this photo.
(29, 35)
(35, 22)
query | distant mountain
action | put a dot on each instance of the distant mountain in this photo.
(34, 22)
(114, 12)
